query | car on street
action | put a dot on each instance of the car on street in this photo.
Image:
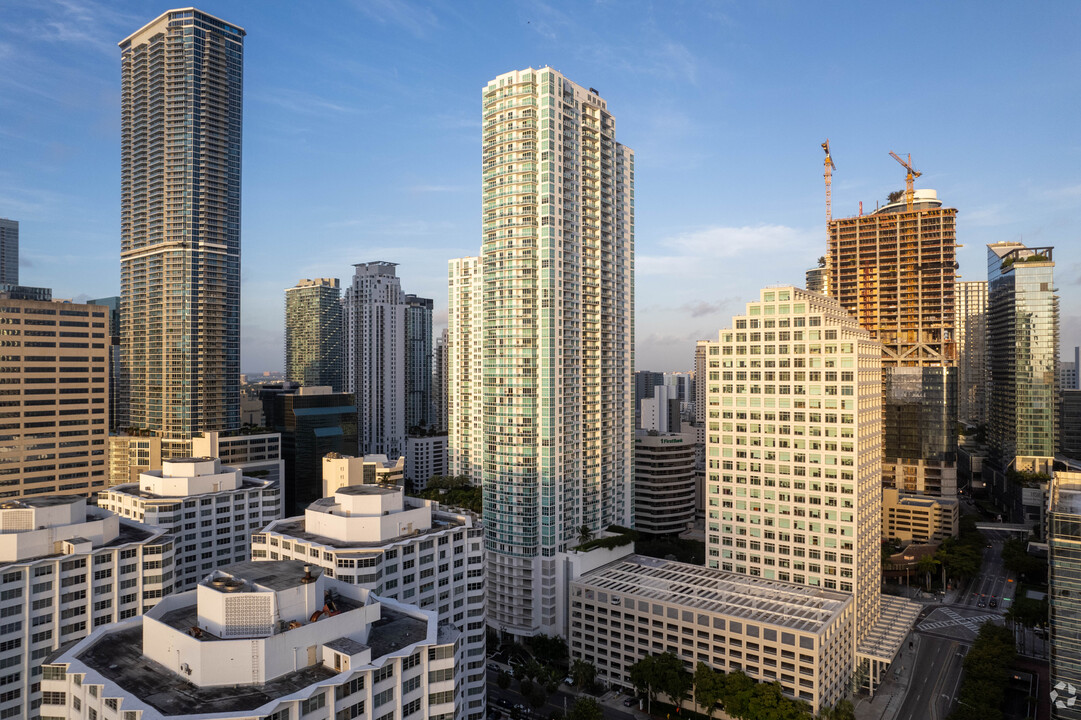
(993, 603)
(493, 666)
(568, 681)
(982, 602)
(630, 701)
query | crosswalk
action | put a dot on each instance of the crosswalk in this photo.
(970, 622)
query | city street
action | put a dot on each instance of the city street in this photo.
(562, 699)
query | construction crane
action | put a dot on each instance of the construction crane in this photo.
(829, 168)
(912, 175)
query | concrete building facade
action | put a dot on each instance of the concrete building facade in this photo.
(65, 569)
(664, 481)
(465, 376)
(210, 509)
(346, 470)
(425, 457)
(54, 391)
(313, 333)
(275, 640)
(918, 518)
(1064, 592)
(373, 313)
(181, 120)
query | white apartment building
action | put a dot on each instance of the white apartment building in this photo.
(373, 319)
(465, 370)
(211, 509)
(794, 456)
(342, 470)
(795, 635)
(425, 457)
(262, 641)
(554, 438)
(66, 569)
(401, 548)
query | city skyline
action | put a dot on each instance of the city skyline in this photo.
(725, 172)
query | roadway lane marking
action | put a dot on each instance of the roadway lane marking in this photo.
(955, 620)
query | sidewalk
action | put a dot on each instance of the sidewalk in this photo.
(890, 695)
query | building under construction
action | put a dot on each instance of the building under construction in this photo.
(895, 271)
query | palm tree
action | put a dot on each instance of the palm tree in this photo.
(585, 534)
(927, 565)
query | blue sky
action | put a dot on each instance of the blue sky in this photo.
(362, 137)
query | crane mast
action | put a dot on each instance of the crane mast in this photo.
(829, 168)
(910, 192)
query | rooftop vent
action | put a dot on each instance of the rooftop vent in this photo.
(308, 578)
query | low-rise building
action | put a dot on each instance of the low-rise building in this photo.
(425, 457)
(918, 518)
(210, 508)
(797, 635)
(66, 568)
(343, 470)
(257, 641)
(401, 548)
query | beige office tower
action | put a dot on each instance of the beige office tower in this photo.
(181, 108)
(972, 351)
(556, 436)
(794, 456)
(465, 379)
(54, 389)
(894, 270)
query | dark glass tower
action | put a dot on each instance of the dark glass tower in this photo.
(182, 96)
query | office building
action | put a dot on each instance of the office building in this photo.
(313, 333)
(274, 640)
(256, 454)
(644, 382)
(345, 471)
(9, 252)
(817, 279)
(465, 378)
(1022, 347)
(664, 481)
(373, 313)
(312, 422)
(118, 390)
(894, 271)
(211, 510)
(556, 443)
(54, 375)
(400, 548)
(65, 569)
(440, 370)
(797, 636)
(1068, 371)
(181, 117)
(1069, 428)
(701, 376)
(660, 413)
(1064, 591)
(911, 519)
(972, 352)
(418, 363)
(425, 457)
(794, 457)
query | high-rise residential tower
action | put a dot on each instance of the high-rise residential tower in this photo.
(894, 270)
(1022, 347)
(465, 375)
(440, 356)
(9, 252)
(182, 102)
(418, 362)
(972, 351)
(313, 333)
(794, 457)
(373, 322)
(556, 444)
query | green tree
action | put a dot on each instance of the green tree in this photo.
(502, 680)
(643, 675)
(537, 698)
(708, 687)
(585, 708)
(927, 564)
(738, 694)
(585, 534)
(583, 674)
(549, 650)
(672, 677)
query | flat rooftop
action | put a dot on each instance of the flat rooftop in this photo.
(694, 587)
(364, 490)
(273, 574)
(246, 483)
(40, 502)
(118, 657)
(395, 630)
(129, 533)
(296, 528)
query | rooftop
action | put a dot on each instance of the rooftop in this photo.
(129, 533)
(40, 502)
(295, 527)
(362, 490)
(798, 607)
(394, 631)
(246, 483)
(118, 656)
(273, 575)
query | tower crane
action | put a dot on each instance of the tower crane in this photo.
(913, 173)
(829, 168)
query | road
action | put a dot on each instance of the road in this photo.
(929, 689)
(555, 702)
(993, 581)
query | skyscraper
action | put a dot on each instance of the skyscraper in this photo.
(465, 372)
(418, 362)
(9, 252)
(440, 355)
(1022, 346)
(1064, 579)
(894, 271)
(556, 438)
(794, 457)
(182, 98)
(373, 317)
(972, 351)
(313, 333)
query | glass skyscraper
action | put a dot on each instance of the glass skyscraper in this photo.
(313, 334)
(9, 251)
(418, 362)
(182, 97)
(1064, 580)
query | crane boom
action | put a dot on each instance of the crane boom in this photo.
(913, 173)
